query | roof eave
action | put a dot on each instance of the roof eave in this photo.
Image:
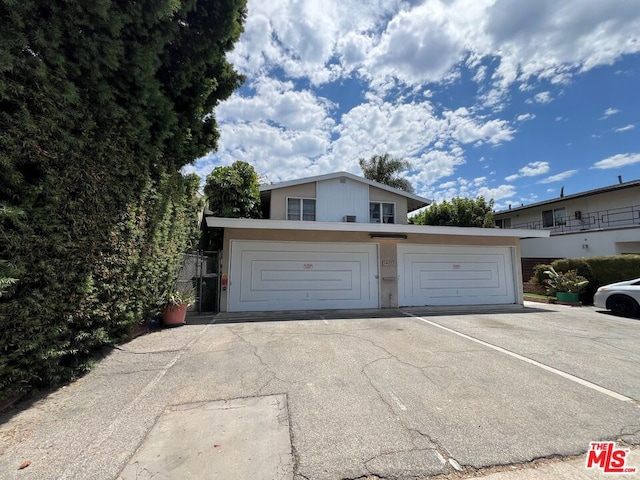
(319, 178)
(218, 222)
(588, 193)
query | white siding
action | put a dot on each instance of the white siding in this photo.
(335, 199)
(583, 244)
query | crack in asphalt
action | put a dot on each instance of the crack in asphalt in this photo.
(364, 477)
(449, 463)
(632, 433)
(391, 355)
(265, 365)
(452, 468)
(268, 369)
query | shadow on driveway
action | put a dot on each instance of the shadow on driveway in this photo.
(278, 316)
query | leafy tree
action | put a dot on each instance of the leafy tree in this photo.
(101, 104)
(459, 212)
(384, 169)
(234, 191)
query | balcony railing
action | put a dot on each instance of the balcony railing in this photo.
(581, 221)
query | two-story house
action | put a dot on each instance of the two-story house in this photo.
(341, 241)
(604, 221)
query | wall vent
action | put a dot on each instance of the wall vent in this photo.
(349, 218)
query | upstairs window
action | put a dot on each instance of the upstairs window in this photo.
(554, 218)
(301, 209)
(381, 212)
(503, 223)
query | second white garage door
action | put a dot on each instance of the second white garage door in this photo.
(455, 275)
(302, 276)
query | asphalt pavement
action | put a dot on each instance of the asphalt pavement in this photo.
(398, 394)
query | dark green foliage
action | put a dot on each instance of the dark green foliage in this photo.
(460, 212)
(538, 274)
(564, 282)
(101, 104)
(581, 266)
(598, 270)
(614, 269)
(234, 191)
(384, 169)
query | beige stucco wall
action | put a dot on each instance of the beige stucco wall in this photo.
(279, 198)
(387, 252)
(379, 195)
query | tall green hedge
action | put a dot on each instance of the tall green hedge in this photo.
(101, 104)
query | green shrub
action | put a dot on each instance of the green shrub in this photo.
(564, 282)
(615, 269)
(539, 276)
(597, 270)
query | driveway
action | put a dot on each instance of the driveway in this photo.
(400, 394)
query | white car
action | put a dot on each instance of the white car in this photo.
(622, 298)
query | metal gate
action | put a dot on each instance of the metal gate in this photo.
(200, 271)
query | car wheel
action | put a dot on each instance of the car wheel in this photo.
(623, 305)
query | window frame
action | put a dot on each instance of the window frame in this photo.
(301, 212)
(503, 221)
(381, 211)
(557, 220)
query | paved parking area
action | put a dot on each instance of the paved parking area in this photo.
(400, 394)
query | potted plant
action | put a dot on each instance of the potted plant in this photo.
(175, 308)
(565, 285)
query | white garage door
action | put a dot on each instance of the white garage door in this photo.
(302, 276)
(455, 275)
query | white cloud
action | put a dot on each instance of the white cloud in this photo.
(559, 177)
(419, 42)
(498, 193)
(431, 167)
(525, 117)
(467, 129)
(549, 39)
(530, 170)
(625, 128)
(541, 98)
(447, 185)
(461, 187)
(287, 129)
(608, 112)
(617, 161)
(534, 168)
(277, 101)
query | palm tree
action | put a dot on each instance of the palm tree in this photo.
(384, 169)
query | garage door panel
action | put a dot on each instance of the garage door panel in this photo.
(454, 275)
(296, 275)
(467, 275)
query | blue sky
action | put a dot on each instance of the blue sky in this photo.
(508, 99)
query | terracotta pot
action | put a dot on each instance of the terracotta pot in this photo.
(174, 315)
